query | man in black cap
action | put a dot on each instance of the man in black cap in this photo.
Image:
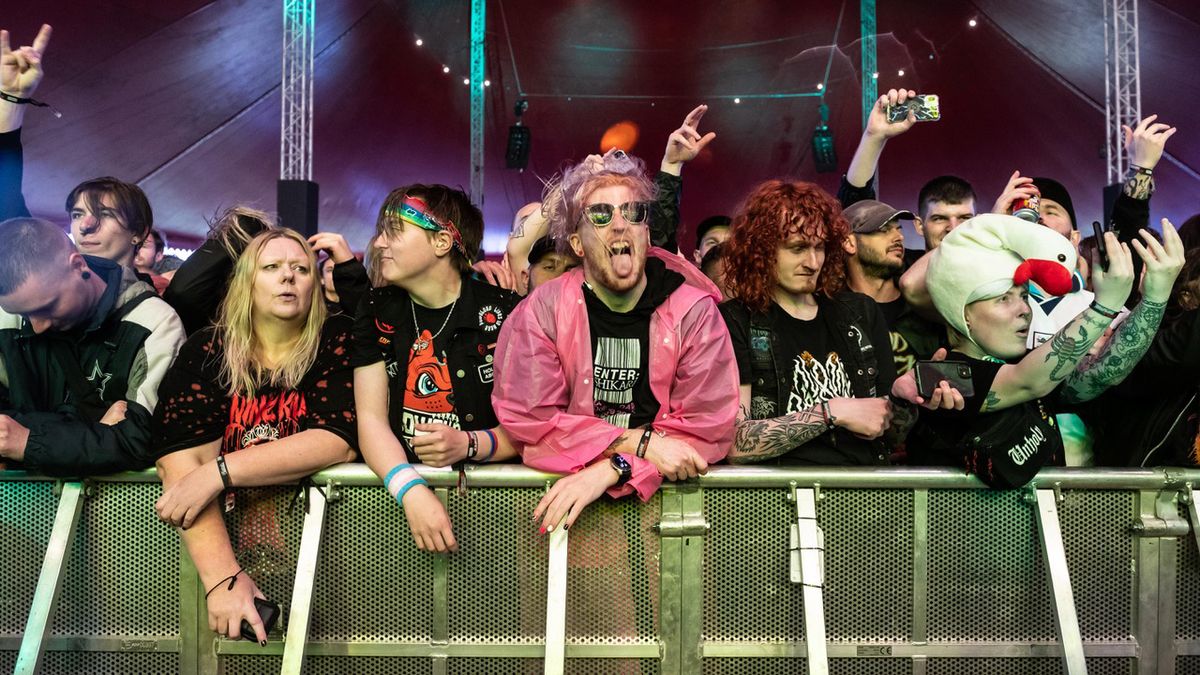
(712, 231)
(873, 268)
(546, 263)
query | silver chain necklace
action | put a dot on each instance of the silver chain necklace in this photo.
(418, 343)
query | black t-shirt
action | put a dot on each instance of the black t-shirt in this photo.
(1005, 448)
(449, 379)
(621, 351)
(816, 372)
(195, 409)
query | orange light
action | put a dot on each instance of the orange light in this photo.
(622, 135)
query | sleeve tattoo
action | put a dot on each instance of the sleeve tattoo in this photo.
(1125, 348)
(760, 440)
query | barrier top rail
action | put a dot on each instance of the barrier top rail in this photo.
(515, 475)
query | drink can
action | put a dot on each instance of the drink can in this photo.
(1028, 208)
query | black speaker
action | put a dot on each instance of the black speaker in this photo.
(517, 154)
(297, 202)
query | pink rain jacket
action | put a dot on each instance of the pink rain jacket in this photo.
(543, 390)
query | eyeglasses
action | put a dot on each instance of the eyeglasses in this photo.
(601, 215)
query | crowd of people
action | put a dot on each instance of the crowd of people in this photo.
(801, 332)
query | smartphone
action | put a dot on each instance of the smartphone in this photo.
(957, 373)
(268, 611)
(1101, 245)
(925, 107)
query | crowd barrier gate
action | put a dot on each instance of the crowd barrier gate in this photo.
(745, 571)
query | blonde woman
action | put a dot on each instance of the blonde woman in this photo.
(261, 398)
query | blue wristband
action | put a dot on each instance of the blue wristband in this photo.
(408, 486)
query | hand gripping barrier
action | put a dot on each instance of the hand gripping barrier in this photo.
(746, 570)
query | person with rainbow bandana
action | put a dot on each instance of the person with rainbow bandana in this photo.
(424, 346)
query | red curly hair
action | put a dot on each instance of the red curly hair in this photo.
(772, 212)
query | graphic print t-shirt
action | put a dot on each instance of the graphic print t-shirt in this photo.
(817, 371)
(428, 390)
(195, 409)
(620, 365)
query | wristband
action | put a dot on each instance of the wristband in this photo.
(472, 446)
(492, 452)
(402, 478)
(1103, 311)
(644, 444)
(830, 420)
(1142, 170)
(232, 579)
(11, 98)
(224, 471)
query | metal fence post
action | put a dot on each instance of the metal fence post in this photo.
(1065, 619)
(45, 597)
(809, 560)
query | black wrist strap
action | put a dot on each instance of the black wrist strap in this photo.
(5, 96)
(224, 471)
(232, 579)
(644, 443)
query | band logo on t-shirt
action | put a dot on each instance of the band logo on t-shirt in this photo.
(615, 372)
(814, 381)
(263, 418)
(428, 390)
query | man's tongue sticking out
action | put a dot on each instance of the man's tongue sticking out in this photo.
(621, 258)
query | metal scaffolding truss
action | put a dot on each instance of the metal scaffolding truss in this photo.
(478, 78)
(295, 124)
(1122, 80)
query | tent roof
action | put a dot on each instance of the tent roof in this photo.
(183, 97)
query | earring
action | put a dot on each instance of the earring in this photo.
(87, 275)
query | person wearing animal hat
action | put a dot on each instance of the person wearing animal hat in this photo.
(978, 279)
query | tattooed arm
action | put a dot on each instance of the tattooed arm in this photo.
(760, 440)
(1044, 368)
(1122, 352)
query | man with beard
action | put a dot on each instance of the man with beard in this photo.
(873, 268)
(619, 372)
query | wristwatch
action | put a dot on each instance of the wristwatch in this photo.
(623, 468)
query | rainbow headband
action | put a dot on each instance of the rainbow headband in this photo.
(415, 211)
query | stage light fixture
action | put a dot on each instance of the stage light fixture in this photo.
(737, 100)
(445, 69)
(516, 155)
(972, 23)
(824, 154)
(420, 42)
(901, 73)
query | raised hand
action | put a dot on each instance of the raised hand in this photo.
(877, 122)
(1145, 143)
(21, 68)
(1113, 285)
(1163, 262)
(1018, 187)
(333, 244)
(686, 142)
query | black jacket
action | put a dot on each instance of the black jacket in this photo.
(59, 384)
(1152, 418)
(383, 329)
(860, 338)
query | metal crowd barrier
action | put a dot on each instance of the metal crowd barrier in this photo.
(748, 570)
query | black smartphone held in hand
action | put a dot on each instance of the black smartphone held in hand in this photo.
(268, 611)
(957, 373)
(1101, 245)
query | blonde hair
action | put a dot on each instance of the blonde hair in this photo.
(241, 370)
(231, 228)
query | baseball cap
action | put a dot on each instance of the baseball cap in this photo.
(541, 248)
(870, 216)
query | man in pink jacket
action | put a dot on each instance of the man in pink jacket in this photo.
(620, 372)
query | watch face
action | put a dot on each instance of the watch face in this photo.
(623, 468)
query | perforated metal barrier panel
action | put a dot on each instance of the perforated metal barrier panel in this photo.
(924, 573)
